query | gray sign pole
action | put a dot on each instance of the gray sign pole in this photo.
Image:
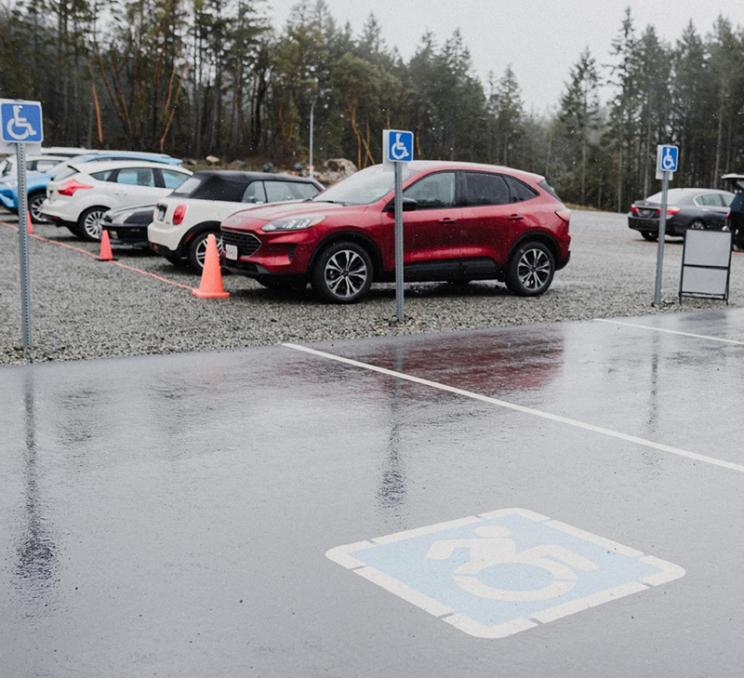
(23, 247)
(400, 315)
(662, 237)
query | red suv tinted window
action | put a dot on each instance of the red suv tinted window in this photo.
(480, 188)
(433, 191)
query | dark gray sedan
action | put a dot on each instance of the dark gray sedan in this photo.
(696, 208)
(128, 225)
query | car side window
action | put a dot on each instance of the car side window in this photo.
(726, 199)
(106, 175)
(481, 188)
(255, 193)
(277, 191)
(519, 190)
(136, 176)
(171, 179)
(433, 191)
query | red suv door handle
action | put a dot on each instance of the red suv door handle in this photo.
(448, 220)
(515, 217)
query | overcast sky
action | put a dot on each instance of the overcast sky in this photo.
(540, 38)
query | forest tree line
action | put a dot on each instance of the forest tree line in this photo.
(198, 77)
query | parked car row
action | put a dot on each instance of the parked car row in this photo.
(462, 221)
(58, 162)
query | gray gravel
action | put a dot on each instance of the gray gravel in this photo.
(88, 309)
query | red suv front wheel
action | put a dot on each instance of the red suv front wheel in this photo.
(342, 273)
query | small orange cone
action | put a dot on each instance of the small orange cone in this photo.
(29, 224)
(210, 286)
(105, 254)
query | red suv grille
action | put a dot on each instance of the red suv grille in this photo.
(247, 243)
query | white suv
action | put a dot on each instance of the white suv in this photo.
(82, 194)
(183, 221)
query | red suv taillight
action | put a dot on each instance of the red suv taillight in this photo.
(178, 214)
(564, 214)
(634, 210)
(69, 187)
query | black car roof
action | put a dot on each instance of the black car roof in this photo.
(236, 175)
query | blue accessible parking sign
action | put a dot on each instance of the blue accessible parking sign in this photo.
(503, 572)
(398, 146)
(21, 122)
(667, 158)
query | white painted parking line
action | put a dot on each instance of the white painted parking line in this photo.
(721, 340)
(659, 447)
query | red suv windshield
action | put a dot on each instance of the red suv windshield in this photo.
(364, 187)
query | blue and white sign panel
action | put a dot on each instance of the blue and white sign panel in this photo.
(667, 158)
(21, 121)
(398, 145)
(503, 572)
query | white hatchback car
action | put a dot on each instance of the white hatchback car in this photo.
(183, 221)
(80, 196)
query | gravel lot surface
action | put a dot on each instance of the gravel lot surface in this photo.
(88, 309)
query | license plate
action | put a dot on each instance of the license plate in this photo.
(231, 251)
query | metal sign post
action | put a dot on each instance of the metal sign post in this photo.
(21, 124)
(397, 149)
(667, 160)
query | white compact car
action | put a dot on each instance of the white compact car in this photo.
(80, 196)
(183, 221)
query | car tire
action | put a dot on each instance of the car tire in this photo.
(697, 225)
(530, 270)
(89, 224)
(35, 201)
(198, 249)
(650, 235)
(342, 273)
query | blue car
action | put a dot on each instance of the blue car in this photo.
(37, 180)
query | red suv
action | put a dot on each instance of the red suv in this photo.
(463, 222)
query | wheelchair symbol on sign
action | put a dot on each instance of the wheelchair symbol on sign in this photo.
(493, 546)
(398, 149)
(18, 127)
(667, 160)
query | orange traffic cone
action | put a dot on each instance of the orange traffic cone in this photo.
(210, 286)
(29, 224)
(105, 254)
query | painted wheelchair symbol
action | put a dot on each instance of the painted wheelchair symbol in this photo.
(398, 149)
(493, 547)
(18, 127)
(667, 160)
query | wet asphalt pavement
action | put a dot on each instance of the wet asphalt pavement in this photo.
(169, 516)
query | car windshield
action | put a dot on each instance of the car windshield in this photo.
(364, 187)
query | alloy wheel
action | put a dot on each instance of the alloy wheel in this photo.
(200, 252)
(533, 269)
(345, 273)
(92, 224)
(34, 206)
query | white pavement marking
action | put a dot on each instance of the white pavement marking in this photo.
(346, 557)
(401, 590)
(721, 340)
(659, 447)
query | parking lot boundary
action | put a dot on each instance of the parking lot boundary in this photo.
(610, 433)
(92, 255)
(623, 323)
